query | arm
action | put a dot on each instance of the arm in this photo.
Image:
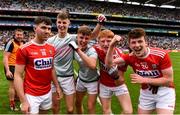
(163, 81)
(6, 65)
(96, 31)
(89, 61)
(109, 56)
(55, 82)
(18, 84)
(101, 19)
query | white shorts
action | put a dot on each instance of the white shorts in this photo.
(67, 85)
(91, 88)
(164, 99)
(107, 92)
(43, 102)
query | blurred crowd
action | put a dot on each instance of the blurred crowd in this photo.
(168, 43)
(87, 6)
(96, 7)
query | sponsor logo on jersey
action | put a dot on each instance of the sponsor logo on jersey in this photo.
(43, 63)
(34, 53)
(148, 73)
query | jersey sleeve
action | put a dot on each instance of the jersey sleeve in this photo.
(9, 46)
(126, 58)
(74, 37)
(123, 66)
(92, 53)
(21, 57)
(165, 62)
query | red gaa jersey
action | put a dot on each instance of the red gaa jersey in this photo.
(38, 61)
(105, 78)
(151, 65)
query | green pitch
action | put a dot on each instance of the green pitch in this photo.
(133, 89)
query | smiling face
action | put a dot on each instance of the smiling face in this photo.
(104, 39)
(83, 40)
(62, 22)
(104, 42)
(137, 42)
(62, 25)
(19, 35)
(83, 36)
(138, 46)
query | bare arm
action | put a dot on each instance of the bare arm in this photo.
(163, 81)
(55, 82)
(96, 31)
(101, 19)
(109, 55)
(6, 65)
(89, 61)
(18, 84)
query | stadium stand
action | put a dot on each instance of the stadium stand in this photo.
(162, 25)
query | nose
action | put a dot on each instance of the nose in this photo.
(106, 43)
(61, 24)
(48, 31)
(136, 44)
(83, 40)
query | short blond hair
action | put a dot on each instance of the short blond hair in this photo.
(63, 14)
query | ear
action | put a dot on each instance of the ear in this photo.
(34, 27)
(69, 22)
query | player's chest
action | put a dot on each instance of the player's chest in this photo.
(145, 64)
(39, 53)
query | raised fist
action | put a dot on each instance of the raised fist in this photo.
(101, 19)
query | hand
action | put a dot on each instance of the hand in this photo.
(115, 40)
(73, 45)
(59, 93)
(135, 78)
(25, 107)
(9, 74)
(101, 19)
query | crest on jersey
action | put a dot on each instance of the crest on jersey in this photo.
(50, 51)
(43, 52)
(154, 66)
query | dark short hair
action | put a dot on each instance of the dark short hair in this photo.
(85, 30)
(18, 30)
(42, 19)
(136, 33)
(63, 14)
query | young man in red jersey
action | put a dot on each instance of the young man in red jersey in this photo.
(111, 79)
(35, 61)
(9, 60)
(152, 69)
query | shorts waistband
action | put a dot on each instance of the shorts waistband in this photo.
(88, 81)
(65, 75)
